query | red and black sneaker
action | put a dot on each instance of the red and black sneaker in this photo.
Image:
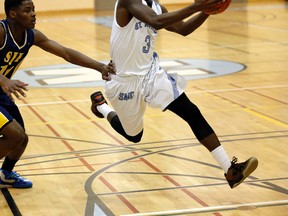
(97, 99)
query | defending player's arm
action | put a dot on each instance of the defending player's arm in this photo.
(147, 15)
(71, 55)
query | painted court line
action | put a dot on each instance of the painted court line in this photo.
(213, 208)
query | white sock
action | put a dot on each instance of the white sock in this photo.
(104, 109)
(222, 158)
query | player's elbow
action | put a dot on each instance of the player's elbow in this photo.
(186, 32)
(182, 33)
(181, 30)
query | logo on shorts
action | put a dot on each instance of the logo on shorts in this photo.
(126, 96)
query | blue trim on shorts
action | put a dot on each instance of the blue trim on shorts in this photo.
(174, 86)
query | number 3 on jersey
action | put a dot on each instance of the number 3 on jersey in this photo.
(146, 48)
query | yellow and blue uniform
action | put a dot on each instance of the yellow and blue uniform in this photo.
(11, 57)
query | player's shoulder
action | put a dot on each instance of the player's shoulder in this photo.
(2, 33)
(39, 37)
(2, 28)
(37, 34)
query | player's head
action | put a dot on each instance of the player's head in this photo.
(21, 11)
(13, 4)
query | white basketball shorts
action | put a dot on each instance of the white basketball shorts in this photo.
(129, 95)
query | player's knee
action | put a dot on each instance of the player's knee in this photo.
(135, 139)
(17, 138)
(20, 137)
(15, 135)
(25, 140)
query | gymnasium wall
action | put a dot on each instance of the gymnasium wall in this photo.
(58, 5)
(189, 1)
(54, 5)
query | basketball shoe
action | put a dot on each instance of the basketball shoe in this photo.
(13, 179)
(97, 99)
(240, 171)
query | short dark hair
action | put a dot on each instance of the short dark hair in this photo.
(8, 4)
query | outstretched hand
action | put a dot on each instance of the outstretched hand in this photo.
(14, 87)
(107, 70)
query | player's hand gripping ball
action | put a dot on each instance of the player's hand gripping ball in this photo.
(219, 9)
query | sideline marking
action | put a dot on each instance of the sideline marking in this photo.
(10, 201)
(213, 208)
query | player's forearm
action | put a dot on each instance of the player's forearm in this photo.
(193, 23)
(80, 59)
(166, 19)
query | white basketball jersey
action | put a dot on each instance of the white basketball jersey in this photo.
(132, 46)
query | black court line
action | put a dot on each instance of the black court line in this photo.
(10, 201)
(129, 149)
(251, 182)
(111, 145)
(92, 196)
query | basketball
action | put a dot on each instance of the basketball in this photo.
(219, 9)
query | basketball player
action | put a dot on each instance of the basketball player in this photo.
(17, 35)
(140, 80)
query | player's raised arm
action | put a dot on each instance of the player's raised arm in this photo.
(187, 27)
(147, 15)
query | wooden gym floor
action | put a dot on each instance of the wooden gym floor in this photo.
(80, 166)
